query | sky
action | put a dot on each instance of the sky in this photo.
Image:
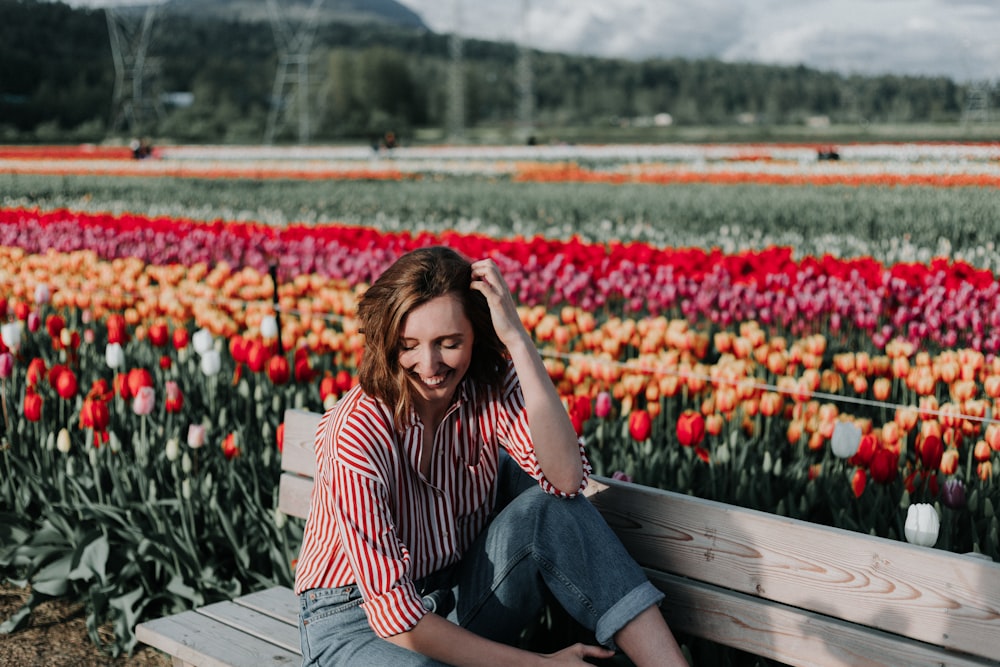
(955, 38)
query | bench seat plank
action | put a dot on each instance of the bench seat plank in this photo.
(251, 622)
(926, 594)
(279, 602)
(199, 641)
(789, 635)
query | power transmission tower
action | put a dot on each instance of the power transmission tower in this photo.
(456, 80)
(130, 30)
(977, 102)
(526, 107)
(290, 94)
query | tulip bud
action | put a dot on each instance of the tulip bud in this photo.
(11, 334)
(922, 524)
(173, 449)
(845, 440)
(202, 341)
(34, 322)
(144, 401)
(6, 365)
(602, 405)
(953, 493)
(279, 519)
(63, 443)
(42, 294)
(268, 327)
(186, 489)
(211, 363)
(114, 355)
(196, 436)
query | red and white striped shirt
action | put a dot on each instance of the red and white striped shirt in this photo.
(374, 521)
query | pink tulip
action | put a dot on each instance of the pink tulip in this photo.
(6, 365)
(144, 401)
(602, 406)
(196, 436)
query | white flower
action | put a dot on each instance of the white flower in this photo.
(269, 327)
(922, 524)
(114, 355)
(202, 341)
(845, 440)
(11, 334)
(173, 449)
(211, 362)
(62, 441)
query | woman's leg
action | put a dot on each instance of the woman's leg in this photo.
(334, 632)
(539, 540)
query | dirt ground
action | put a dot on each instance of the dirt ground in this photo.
(56, 636)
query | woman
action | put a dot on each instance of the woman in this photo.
(438, 515)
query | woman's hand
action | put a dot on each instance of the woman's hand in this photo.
(576, 654)
(487, 280)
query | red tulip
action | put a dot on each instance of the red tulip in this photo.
(277, 369)
(54, 324)
(94, 414)
(66, 384)
(180, 338)
(280, 437)
(158, 334)
(175, 399)
(229, 447)
(690, 428)
(931, 451)
(640, 424)
(117, 332)
(36, 369)
(32, 405)
(858, 482)
(257, 356)
(137, 379)
(884, 466)
(328, 387)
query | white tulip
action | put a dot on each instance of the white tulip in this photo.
(202, 341)
(922, 524)
(211, 362)
(845, 440)
(114, 355)
(11, 334)
(62, 441)
(269, 327)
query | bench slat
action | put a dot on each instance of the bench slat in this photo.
(787, 634)
(297, 454)
(279, 602)
(200, 641)
(293, 495)
(253, 623)
(926, 594)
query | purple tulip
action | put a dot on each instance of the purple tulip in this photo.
(953, 493)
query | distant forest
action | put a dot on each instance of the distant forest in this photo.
(57, 82)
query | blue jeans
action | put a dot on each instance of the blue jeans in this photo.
(534, 541)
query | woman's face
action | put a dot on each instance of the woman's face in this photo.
(435, 349)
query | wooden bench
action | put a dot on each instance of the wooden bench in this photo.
(787, 590)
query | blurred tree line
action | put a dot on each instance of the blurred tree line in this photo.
(57, 81)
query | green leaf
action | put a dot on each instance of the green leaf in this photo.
(93, 560)
(19, 617)
(53, 579)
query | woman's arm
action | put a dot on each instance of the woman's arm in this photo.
(552, 433)
(442, 640)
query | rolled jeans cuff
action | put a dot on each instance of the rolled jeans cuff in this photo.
(635, 602)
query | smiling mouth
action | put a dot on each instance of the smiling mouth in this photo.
(435, 381)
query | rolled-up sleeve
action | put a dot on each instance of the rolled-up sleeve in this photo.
(515, 437)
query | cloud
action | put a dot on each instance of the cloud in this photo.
(956, 38)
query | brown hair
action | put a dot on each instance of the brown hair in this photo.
(414, 279)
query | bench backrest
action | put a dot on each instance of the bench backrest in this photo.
(770, 571)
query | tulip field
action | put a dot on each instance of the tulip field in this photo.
(752, 324)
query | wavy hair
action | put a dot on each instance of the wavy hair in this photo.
(411, 281)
